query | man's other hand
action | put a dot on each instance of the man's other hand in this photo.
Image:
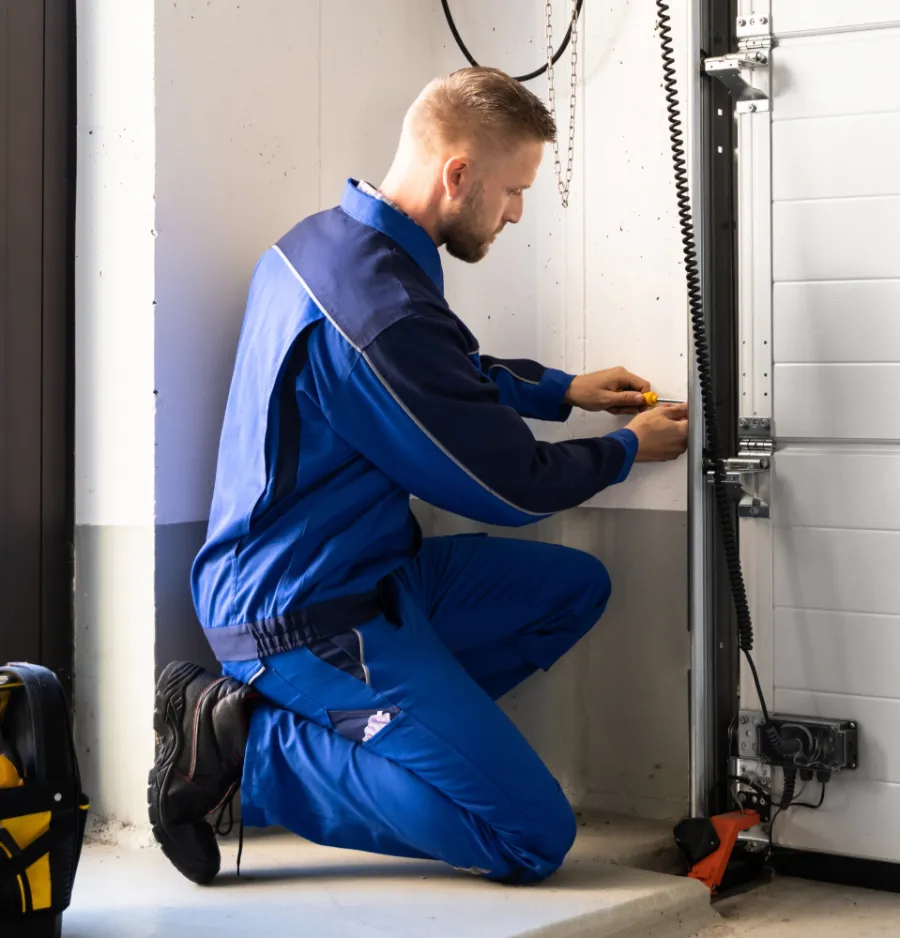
(615, 390)
(662, 433)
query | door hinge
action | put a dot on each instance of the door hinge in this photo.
(728, 69)
(755, 451)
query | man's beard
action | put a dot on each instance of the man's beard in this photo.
(464, 237)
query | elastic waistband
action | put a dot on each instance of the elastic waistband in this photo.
(294, 629)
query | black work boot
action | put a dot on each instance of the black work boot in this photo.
(201, 734)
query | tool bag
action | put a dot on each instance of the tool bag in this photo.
(42, 808)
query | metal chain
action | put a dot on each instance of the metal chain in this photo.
(563, 182)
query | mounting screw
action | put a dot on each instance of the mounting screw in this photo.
(742, 22)
(752, 20)
(763, 20)
(852, 765)
(764, 422)
(751, 107)
(57, 797)
(743, 747)
(754, 511)
(741, 797)
(745, 720)
(743, 421)
(852, 726)
(760, 57)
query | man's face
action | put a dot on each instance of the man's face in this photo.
(485, 195)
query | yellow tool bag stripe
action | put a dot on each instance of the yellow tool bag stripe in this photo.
(34, 883)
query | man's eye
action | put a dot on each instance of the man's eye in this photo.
(516, 191)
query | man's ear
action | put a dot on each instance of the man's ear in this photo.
(456, 177)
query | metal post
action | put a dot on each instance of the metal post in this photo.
(700, 506)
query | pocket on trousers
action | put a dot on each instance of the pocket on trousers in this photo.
(346, 652)
(362, 726)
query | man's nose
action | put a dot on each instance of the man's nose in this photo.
(513, 214)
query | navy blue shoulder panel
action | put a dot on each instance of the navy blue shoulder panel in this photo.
(361, 278)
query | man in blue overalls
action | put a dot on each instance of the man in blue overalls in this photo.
(362, 662)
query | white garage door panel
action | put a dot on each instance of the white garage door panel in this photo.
(879, 727)
(791, 16)
(832, 568)
(858, 818)
(836, 157)
(823, 572)
(842, 239)
(831, 75)
(839, 321)
(829, 488)
(839, 652)
(840, 402)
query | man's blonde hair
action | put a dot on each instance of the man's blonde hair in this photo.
(483, 105)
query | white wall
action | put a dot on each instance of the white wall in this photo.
(114, 288)
(238, 164)
(206, 130)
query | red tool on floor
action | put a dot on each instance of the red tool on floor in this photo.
(709, 842)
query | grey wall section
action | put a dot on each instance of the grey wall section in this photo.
(637, 687)
(178, 633)
(132, 607)
(611, 719)
(114, 642)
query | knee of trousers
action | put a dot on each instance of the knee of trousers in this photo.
(591, 587)
(545, 842)
(582, 600)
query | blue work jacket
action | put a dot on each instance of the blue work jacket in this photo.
(355, 385)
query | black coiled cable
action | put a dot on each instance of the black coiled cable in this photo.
(714, 449)
(538, 71)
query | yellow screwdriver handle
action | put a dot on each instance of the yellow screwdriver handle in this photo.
(651, 398)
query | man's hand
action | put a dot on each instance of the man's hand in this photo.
(612, 390)
(662, 433)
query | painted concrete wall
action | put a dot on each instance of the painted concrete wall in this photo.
(242, 118)
(114, 402)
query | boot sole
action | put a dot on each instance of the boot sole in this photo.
(168, 715)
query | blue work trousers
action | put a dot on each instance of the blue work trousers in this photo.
(388, 738)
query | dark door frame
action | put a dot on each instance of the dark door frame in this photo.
(37, 287)
(718, 141)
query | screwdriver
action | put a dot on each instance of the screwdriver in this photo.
(652, 399)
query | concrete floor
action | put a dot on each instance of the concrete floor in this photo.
(290, 887)
(796, 908)
(616, 882)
